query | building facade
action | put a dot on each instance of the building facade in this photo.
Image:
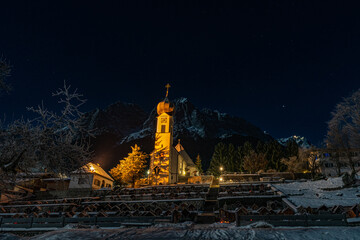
(90, 176)
(335, 162)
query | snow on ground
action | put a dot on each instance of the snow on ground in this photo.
(189, 231)
(314, 193)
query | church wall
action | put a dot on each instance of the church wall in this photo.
(173, 168)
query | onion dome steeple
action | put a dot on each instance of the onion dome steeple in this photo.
(165, 106)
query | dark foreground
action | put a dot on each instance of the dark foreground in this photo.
(190, 231)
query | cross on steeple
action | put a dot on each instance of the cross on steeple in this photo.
(167, 90)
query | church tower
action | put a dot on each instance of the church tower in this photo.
(163, 164)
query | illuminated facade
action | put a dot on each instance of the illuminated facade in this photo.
(168, 162)
(90, 176)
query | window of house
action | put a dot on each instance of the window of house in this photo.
(108, 185)
(97, 182)
(82, 181)
(162, 128)
(329, 165)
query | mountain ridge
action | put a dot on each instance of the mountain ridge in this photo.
(122, 125)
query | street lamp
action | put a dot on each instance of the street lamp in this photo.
(221, 168)
(148, 176)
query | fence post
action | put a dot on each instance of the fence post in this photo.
(63, 221)
(96, 218)
(306, 220)
(31, 222)
(237, 218)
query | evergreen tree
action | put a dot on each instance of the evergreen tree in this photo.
(274, 153)
(292, 149)
(231, 159)
(243, 151)
(247, 148)
(239, 159)
(218, 159)
(260, 147)
(130, 168)
(198, 164)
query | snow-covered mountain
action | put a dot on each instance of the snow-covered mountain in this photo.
(122, 124)
(302, 142)
(200, 124)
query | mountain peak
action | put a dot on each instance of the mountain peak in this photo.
(302, 142)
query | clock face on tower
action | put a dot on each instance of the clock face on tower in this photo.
(163, 120)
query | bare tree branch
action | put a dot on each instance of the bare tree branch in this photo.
(344, 127)
(58, 143)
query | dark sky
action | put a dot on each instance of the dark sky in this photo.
(281, 65)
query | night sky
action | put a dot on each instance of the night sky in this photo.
(281, 65)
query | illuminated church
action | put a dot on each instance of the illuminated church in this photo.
(168, 164)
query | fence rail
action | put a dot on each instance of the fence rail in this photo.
(63, 221)
(294, 220)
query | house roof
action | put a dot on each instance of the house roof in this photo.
(93, 168)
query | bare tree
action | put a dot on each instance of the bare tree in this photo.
(255, 162)
(335, 156)
(311, 157)
(5, 70)
(54, 142)
(305, 161)
(344, 127)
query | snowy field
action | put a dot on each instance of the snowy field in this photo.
(312, 193)
(190, 231)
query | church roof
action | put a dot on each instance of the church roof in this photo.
(165, 106)
(94, 169)
(180, 149)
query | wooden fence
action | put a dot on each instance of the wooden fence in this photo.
(63, 221)
(294, 220)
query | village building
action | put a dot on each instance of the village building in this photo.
(90, 176)
(168, 163)
(335, 162)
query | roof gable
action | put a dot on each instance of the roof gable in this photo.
(94, 169)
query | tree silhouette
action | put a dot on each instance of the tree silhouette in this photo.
(344, 127)
(255, 162)
(198, 164)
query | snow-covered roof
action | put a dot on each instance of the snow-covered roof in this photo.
(328, 192)
(93, 168)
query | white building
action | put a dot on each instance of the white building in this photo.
(90, 176)
(333, 162)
